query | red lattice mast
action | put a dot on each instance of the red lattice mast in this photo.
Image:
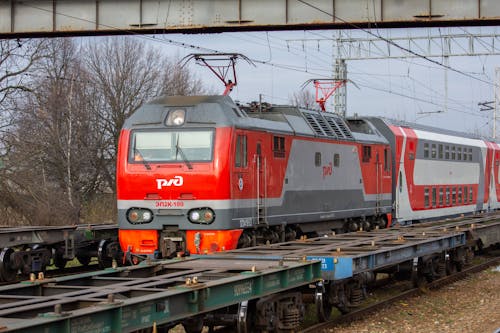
(325, 89)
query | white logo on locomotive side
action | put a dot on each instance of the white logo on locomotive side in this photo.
(176, 181)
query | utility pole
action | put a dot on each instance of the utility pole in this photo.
(486, 106)
(340, 95)
(495, 87)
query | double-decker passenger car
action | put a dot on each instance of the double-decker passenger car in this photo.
(439, 172)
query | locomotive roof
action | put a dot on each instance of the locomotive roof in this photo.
(223, 111)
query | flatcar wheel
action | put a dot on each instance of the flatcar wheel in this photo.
(193, 324)
(451, 268)
(84, 260)
(7, 273)
(242, 323)
(102, 254)
(59, 260)
(323, 307)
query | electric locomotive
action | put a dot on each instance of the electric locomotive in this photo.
(201, 174)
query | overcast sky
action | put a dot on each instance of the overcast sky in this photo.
(408, 89)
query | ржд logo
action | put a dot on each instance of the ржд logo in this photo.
(176, 181)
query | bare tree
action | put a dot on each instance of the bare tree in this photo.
(60, 148)
(304, 98)
(178, 80)
(56, 144)
(127, 73)
(17, 58)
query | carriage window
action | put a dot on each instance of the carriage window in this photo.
(433, 151)
(447, 196)
(426, 150)
(466, 191)
(440, 196)
(440, 152)
(426, 198)
(433, 197)
(453, 152)
(336, 160)
(367, 153)
(470, 154)
(241, 152)
(447, 152)
(454, 196)
(459, 195)
(459, 153)
(317, 159)
(471, 195)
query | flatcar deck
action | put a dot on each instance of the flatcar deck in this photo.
(346, 255)
(15, 236)
(131, 298)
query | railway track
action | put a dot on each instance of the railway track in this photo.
(364, 311)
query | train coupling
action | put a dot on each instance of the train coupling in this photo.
(171, 246)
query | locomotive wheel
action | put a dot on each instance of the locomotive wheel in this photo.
(7, 273)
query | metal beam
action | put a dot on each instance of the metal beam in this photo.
(34, 18)
(442, 45)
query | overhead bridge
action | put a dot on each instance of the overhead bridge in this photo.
(32, 18)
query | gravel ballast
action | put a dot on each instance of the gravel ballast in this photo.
(467, 306)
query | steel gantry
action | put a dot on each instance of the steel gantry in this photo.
(29, 18)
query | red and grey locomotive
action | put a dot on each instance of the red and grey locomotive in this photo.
(204, 174)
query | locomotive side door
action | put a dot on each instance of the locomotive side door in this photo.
(242, 181)
(260, 183)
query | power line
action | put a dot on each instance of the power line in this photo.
(396, 45)
(289, 67)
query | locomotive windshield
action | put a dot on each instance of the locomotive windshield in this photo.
(171, 146)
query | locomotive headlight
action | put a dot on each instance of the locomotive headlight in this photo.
(176, 117)
(133, 216)
(139, 215)
(194, 216)
(208, 215)
(146, 216)
(203, 215)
